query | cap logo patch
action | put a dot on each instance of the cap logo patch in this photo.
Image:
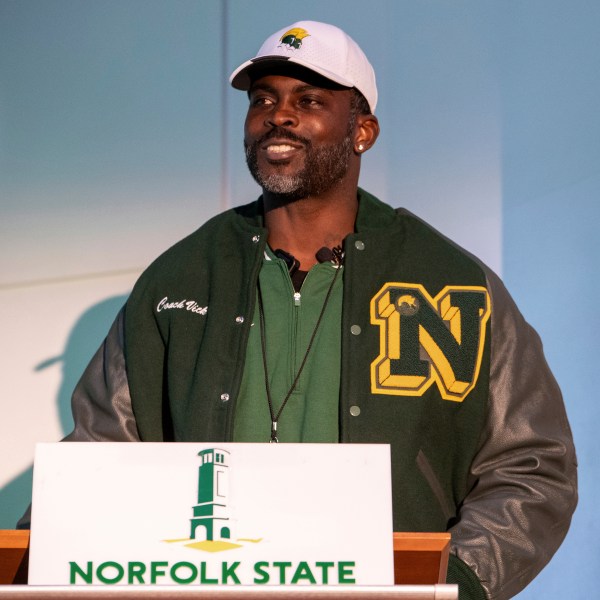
(293, 38)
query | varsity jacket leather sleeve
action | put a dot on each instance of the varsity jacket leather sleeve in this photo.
(521, 480)
(524, 475)
(101, 402)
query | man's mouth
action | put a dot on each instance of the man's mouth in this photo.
(280, 150)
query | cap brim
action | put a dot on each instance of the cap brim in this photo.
(241, 78)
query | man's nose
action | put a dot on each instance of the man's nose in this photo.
(282, 116)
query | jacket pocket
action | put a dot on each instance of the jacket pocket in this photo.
(427, 471)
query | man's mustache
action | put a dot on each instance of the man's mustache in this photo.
(281, 133)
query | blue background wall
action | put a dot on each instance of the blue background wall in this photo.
(119, 135)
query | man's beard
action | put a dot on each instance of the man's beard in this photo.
(323, 167)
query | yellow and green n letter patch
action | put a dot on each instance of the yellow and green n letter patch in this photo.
(425, 339)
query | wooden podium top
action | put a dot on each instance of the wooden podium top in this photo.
(421, 558)
(14, 546)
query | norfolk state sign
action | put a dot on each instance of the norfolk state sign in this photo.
(206, 514)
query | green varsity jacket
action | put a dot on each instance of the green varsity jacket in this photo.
(436, 361)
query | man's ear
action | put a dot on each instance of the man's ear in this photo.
(367, 132)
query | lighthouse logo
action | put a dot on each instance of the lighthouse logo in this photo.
(211, 524)
(211, 520)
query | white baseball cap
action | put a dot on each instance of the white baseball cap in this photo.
(319, 47)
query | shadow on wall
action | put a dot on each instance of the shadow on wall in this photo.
(83, 341)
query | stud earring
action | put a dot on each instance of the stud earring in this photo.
(360, 147)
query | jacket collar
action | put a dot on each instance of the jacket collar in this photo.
(372, 213)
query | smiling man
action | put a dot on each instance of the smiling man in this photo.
(304, 136)
(320, 314)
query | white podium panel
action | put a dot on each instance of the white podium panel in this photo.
(211, 514)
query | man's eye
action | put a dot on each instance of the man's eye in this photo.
(311, 101)
(261, 101)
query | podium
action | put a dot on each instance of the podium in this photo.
(14, 556)
(420, 564)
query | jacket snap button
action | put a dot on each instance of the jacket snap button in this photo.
(239, 319)
(256, 239)
(359, 245)
(355, 330)
(225, 397)
(355, 411)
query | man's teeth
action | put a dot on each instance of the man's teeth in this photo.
(280, 148)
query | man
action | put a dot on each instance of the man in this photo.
(320, 314)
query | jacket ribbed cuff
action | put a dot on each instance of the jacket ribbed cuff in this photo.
(469, 587)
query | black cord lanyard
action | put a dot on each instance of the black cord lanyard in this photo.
(261, 313)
